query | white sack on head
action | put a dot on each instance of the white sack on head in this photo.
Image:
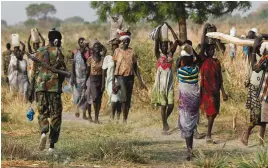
(230, 39)
(115, 24)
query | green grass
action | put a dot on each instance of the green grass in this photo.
(260, 160)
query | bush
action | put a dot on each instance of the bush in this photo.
(114, 150)
(30, 22)
(207, 161)
(260, 161)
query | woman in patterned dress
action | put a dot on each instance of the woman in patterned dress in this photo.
(211, 81)
(79, 75)
(95, 85)
(189, 96)
(163, 90)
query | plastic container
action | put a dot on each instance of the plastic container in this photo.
(233, 31)
(15, 40)
(164, 33)
(35, 35)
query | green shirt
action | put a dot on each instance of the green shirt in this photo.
(44, 79)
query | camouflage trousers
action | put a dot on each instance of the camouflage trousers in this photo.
(49, 105)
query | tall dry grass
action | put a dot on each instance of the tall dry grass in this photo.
(13, 109)
(144, 47)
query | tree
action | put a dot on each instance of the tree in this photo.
(74, 19)
(40, 11)
(175, 11)
(263, 11)
(3, 22)
(46, 9)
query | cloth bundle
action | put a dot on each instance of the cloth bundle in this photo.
(30, 114)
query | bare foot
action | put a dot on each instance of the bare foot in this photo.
(85, 117)
(188, 158)
(245, 142)
(164, 132)
(167, 127)
(97, 122)
(77, 114)
(209, 140)
(90, 119)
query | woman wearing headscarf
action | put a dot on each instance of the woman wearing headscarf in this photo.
(126, 66)
(36, 44)
(189, 96)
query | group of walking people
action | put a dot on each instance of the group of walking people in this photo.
(199, 75)
(191, 98)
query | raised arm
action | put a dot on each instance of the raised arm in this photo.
(42, 39)
(177, 41)
(157, 43)
(203, 42)
(29, 44)
(265, 36)
(256, 46)
(23, 47)
(32, 79)
(260, 65)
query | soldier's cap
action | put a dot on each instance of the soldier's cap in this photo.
(54, 34)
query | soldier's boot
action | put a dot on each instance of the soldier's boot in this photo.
(43, 141)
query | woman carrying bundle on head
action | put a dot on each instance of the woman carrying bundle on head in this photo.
(211, 80)
(17, 69)
(257, 94)
(35, 36)
(163, 90)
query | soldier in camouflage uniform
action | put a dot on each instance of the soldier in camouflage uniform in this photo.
(48, 89)
(5, 60)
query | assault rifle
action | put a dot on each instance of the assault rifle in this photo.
(52, 69)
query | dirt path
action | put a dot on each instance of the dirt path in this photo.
(153, 133)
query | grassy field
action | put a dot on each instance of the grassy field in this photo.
(140, 142)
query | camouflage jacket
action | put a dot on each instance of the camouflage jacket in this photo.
(43, 79)
(5, 60)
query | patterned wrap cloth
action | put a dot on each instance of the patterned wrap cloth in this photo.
(163, 89)
(189, 99)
